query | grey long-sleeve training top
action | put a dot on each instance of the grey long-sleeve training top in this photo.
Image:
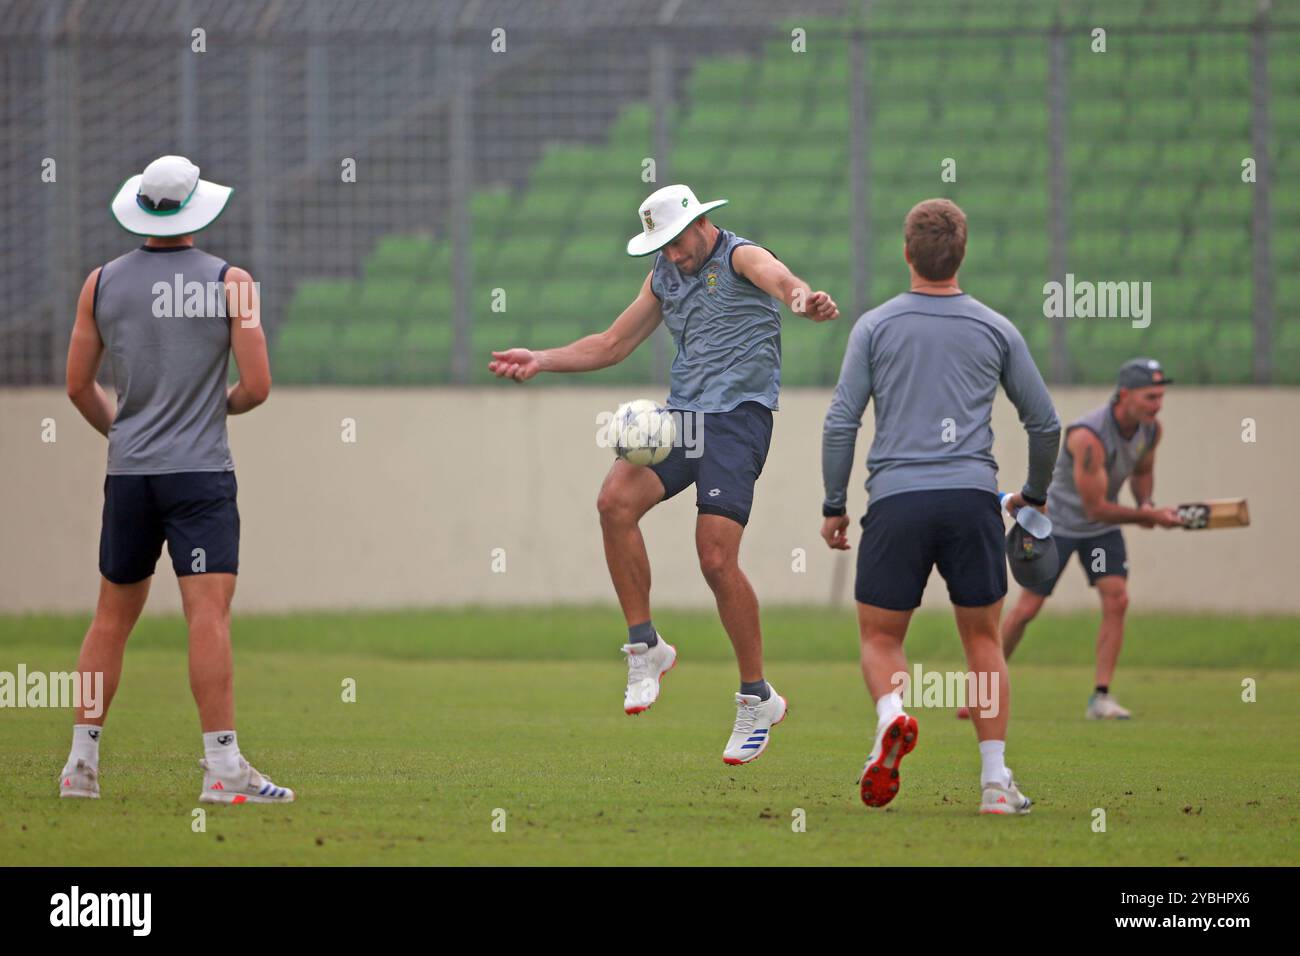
(933, 364)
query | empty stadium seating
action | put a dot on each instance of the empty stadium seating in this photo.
(1156, 131)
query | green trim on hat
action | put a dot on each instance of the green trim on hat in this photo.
(168, 212)
(167, 235)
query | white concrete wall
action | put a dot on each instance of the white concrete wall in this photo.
(409, 515)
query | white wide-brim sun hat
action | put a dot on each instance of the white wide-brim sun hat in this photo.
(168, 199)
(664, 214)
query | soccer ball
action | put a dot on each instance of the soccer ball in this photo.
(642, 432)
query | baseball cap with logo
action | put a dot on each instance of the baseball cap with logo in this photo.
(664, 215)
(1033, 560)
(168, 199)
(1141, 373)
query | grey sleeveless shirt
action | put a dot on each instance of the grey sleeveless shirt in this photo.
(169, 365)
(1064, 506)
(727, 331)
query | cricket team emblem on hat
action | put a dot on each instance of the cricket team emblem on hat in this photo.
(665, 214)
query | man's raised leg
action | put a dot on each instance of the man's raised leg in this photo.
(629, 491)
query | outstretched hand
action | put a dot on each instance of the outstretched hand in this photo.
(518, 364)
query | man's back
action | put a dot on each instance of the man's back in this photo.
(933, 364)
(170, 370)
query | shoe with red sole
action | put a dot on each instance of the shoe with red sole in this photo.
(646, 667)
(894, 741)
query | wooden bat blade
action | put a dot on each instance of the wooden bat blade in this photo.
(1215, 513)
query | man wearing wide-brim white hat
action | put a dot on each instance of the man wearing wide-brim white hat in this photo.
(168, 315)
(719, 295)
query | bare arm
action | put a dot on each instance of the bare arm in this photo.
(248, 342)
(771, 275)
(1143, 480)
(85, 351)
(1090, 479)
(600, 350)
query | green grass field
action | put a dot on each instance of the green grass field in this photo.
(459, 713)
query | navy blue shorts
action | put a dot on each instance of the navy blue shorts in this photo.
(194, 511)
(722, 454)
(905, 535)
(1101, 555)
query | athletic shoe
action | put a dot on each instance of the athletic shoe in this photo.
(646, 666)
(894, 741)
(247, 786)
(1106, 707)
(963, 713)
(755, 719)
(1004, 800)
(79, 781)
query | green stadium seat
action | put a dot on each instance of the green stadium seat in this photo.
(489, 211)
(521, 258)
(366, 352)
(385, 301)
(325, 302)
(301, 366)
(721, 80)
(400, 257)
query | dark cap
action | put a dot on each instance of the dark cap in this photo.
(1141, 373)
(1033, 561)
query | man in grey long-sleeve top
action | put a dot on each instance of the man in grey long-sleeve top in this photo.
(933, 358)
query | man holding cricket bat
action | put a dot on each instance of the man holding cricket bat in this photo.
(1102, 450)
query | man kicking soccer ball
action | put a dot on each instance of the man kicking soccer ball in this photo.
(1103, 449)
(932, 359)
(170, 474)
(718, 295)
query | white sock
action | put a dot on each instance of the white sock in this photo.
(888, 707)
(85, 745)
(993, 754)
(222, 751)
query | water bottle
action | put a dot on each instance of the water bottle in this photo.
(1031, 519)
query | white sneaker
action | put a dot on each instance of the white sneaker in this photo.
(1004, 800)
(79, 781)
(248, 786)
(646, 666)
(895, 739)
(1106, 707)
(755, 719)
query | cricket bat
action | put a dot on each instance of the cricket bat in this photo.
(1217, 513)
